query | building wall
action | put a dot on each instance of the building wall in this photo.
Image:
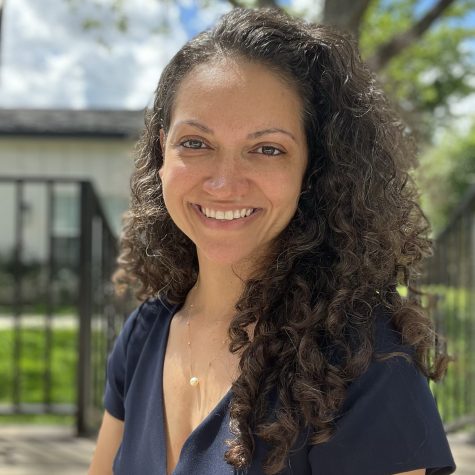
(108, 163)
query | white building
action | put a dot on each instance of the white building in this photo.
(82, 144)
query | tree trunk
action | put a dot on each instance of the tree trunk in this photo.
(345, 14)
(267, 3)
(259, 3)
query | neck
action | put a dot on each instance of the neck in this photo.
(216, 292)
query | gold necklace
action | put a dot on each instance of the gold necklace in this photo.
(195, 380)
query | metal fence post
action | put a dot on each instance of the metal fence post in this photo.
(18, 293)
(85, 306)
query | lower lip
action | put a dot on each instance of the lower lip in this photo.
(224, 223)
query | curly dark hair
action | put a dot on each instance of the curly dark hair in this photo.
(357, 233)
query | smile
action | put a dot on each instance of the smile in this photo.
(226, 215)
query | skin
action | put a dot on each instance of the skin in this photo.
(108, 441)
(236, 141)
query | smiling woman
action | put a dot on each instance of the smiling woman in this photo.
(272, 218)
(236, 141)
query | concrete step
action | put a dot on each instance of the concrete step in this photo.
(43, 450)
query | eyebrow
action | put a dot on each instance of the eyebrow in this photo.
(253, 135)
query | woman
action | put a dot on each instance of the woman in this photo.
(272, 218)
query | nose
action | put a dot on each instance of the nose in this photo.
(226, 178)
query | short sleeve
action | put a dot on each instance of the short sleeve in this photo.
(389, 424)
(114, 394)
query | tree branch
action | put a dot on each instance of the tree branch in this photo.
(235, 3)
(259, 3)
(402, 40)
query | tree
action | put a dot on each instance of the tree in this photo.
(401, 40)
(345, 14)
(427, 75)
(447, 172)
(417, 48)
(416, 54)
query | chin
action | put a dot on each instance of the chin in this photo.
(227, 257)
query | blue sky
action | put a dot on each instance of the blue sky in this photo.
(50, 61)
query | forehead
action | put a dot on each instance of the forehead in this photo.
(238, 91)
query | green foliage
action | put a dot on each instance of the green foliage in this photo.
(446, 172)
(454, 317)
(89, 24)
(120, 18)
(421, 80)
(32, 365)
(454, 321)
(383, 20)
(432, 71)
(40, 419)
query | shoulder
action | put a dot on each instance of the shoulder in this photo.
(392, 374)
(387, 338)
(142, 324)
(147, 323)
(142, 321)
(389, 422)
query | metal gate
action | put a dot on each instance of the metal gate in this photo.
(58, 312)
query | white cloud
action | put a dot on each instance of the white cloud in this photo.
(311, 10)
(49, 60)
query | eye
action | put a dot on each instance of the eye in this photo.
(193, 143)
(269, 150)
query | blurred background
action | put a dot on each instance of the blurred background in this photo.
(75, 77)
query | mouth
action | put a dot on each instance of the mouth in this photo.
(228, 215)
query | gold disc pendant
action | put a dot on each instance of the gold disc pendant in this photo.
(194, 381)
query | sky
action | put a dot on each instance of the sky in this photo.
(49, 60)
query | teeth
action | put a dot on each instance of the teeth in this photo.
(227, 215)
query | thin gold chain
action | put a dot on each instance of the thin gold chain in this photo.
(195, 380)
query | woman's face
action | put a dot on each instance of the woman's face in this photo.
(234, 159)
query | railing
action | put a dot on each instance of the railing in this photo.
(59, 315)
(450, 279)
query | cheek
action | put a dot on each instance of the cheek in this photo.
(167, 176)
(285, 190)
(177, 179)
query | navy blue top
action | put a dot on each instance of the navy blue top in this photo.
(388, 424)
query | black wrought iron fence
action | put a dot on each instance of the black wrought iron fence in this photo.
(450, 280)
(59, 315)
(58, 312)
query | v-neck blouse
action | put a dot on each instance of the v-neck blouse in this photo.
(388, 424)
